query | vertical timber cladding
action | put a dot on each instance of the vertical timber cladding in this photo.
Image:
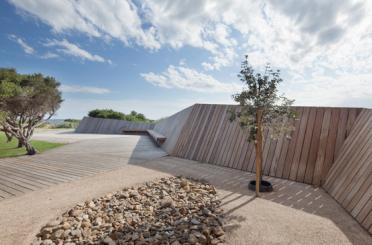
(349, 180)
(209, 136)
(171, 127)
(109, 126)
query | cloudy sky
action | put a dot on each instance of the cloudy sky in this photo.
(158, 57)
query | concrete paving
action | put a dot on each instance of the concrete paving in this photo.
(294, 213)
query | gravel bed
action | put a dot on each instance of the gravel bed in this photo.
(172, 211)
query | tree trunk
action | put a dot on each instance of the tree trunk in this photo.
(30, 149)
(258, 146)
(19, 144)
(8, 137)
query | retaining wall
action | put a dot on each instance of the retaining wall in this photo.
(109, 126)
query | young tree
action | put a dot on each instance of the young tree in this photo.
(26, 100)
(262, 108)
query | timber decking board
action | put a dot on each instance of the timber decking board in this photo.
(24, 174)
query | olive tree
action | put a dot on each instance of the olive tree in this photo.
(26, 100)
(261, 107)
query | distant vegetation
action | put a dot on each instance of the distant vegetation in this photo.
(111, 114)
(67, 123)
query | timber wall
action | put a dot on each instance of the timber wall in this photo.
(349, 180)
(171, 128)
(208, 136)
(330, 147)
(109, 126)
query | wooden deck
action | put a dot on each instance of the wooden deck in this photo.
(24, 174)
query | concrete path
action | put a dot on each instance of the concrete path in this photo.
(293, 214)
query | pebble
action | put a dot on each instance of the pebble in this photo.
(173, 210)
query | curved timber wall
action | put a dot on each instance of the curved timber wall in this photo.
(109, 126)
(208, 136)
(330, 147)
(349, 180)
(171, 128)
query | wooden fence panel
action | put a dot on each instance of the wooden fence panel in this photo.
(330, 147)
(109, 126)
(320, 132)
(349, 180)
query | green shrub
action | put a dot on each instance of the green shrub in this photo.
(111, 114)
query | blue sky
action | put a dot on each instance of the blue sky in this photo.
(157, 57)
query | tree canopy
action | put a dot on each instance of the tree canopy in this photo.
(262, 108)
(111, 114)
(26, 100)
(260, 93)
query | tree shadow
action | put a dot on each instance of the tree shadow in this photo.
(234, 184)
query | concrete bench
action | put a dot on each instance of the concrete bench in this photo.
(158, 138)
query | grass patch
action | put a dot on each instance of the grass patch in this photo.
(10, 149)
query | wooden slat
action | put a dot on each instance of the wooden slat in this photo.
(349, 147)
(314, 148)
(208, 136)
(220, 139)
(270, 155)
(306, 146)
(203, 130)
(331, 143)
(353, 198)
(216, 135)
(341, 131)
(349, 180)
(292, 145)
(322, 148)
(109, 126)
(299, 144)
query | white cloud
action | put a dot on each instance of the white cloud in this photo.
(26, 48)
(310, 41)
(342, 90)
(71, 49)
(49, 55)
(83, 89)
(288, 33)
(186, 78)
(100, 19)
